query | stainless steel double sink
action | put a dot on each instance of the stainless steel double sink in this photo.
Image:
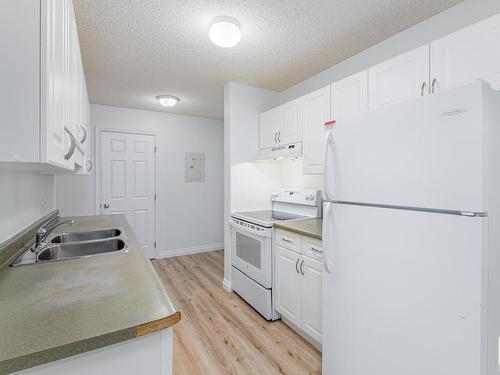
(77, 244)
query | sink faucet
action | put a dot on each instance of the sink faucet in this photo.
(43, 232)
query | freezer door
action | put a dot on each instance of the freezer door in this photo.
(425, 153)
(404, 293)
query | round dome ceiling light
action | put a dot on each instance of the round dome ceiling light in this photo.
(225, 32)
(168, 100)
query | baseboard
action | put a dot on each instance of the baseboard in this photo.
(304, 335)
(189, 250)
(227, 285)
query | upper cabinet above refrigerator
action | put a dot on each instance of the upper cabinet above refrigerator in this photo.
(399, 79)
(466, 55)
(43, 100)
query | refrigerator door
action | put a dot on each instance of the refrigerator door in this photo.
(425, 153)
(404, 294)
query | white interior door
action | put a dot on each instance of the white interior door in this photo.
(404, 295)
(128, 182)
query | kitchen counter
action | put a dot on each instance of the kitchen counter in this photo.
(307, 227)
(54, 310)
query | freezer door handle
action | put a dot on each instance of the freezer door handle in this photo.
(327, 194)
(326, 248)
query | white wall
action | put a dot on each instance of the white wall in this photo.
(247, 185)
(24, 198)
(451, 20)
(190, 215)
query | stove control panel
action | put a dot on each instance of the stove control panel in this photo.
(307, 197)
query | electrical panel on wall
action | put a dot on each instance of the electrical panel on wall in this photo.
(195, 167)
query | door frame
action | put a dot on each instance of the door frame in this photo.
(98, 170)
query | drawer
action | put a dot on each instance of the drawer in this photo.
(312, 248)
(288, 240)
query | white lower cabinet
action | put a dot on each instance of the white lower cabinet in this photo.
(299, 283)
(289, 285)
(312, 300)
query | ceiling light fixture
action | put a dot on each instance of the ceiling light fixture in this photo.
(168, 100)
(225, 32)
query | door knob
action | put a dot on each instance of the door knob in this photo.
(106, 205)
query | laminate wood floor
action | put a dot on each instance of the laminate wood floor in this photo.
(219, 332)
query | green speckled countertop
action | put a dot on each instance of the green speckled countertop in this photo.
(308, 227)
(50, 311)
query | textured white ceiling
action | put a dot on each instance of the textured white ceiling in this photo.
(134, 50)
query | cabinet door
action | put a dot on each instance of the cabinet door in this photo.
(269, 124)
(290, 129)
(315, 112)
(466, 55)
(350, 96)
(312, 297)
(288, 285)
(402, 78)
(53, 82)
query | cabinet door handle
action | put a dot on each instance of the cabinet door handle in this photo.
(302, 268)
(423, 88)
(275, 137)
(433, 85)
(316, 250)
(84, 134)
(89, 165)
(106, 205)
(71, 150)
(297, 266)
(279, 136)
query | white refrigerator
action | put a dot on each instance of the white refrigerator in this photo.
(411, 234)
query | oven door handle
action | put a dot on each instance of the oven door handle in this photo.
(264, 234)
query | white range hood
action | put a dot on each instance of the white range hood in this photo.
(290, 151)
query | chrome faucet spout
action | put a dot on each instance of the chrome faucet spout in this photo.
(44, 231)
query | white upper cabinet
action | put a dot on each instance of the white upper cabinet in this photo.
(399, 79)
(466, 55)
(269, 125)
(41, 93)
(315, 112)
(350, 96)
(290, 130)
(281, 125)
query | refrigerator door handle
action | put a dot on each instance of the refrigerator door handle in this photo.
(326, 247)
(327, 194)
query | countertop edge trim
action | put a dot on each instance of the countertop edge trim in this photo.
(299, 231)
(157, 325)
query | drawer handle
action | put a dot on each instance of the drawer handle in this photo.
(285, 239)
(316, 250)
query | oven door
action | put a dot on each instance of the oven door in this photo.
(251, 251)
